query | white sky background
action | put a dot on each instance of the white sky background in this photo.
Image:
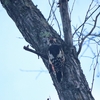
(21, 85)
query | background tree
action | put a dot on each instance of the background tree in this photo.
(34, 28)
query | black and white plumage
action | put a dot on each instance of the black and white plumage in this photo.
(56, 59)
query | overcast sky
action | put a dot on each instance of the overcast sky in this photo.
(20, 76)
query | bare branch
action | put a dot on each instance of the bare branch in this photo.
(53, 12)
(97, 57)
(39, 71)
(95, 22)
(51, 8)
(39, 54)
(92, 25)
(86, 19)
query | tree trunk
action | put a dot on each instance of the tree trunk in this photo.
(35, 29)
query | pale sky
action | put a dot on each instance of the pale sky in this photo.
(20, 77)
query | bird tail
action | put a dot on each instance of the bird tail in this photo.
(59, 76)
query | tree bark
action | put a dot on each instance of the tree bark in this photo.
(35, 29)
(66, 22)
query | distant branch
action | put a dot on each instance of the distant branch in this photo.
(50, 9)
(86, 19)
(86, 16)
(33, 51)
(97, 61)
(53, 12)
(95, 22)
(72, 8)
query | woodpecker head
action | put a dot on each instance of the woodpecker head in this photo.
(52, 41)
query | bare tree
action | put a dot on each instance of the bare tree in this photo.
(36, 29)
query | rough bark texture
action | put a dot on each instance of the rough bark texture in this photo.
(34, 29)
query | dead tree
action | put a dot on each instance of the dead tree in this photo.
(35, 30)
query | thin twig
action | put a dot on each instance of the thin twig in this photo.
(86, 16)
(72, 8)
(98, 53)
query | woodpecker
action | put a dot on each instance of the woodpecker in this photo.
(56, 58)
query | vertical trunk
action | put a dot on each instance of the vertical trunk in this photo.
(66, 22)
(35, 30)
